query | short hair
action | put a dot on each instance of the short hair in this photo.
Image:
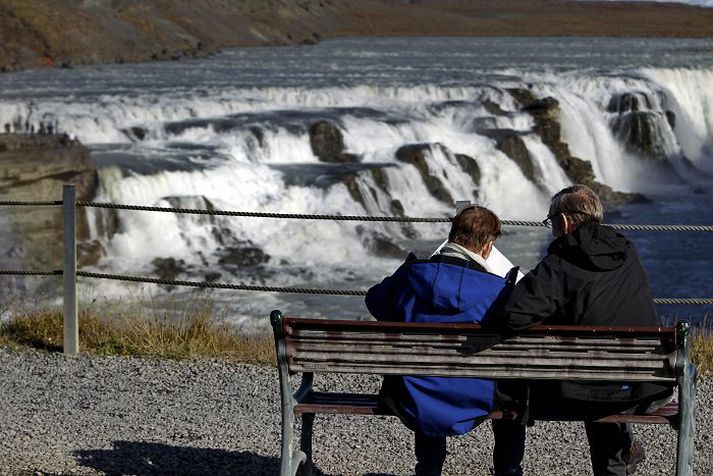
(474, 227)
(579, 203)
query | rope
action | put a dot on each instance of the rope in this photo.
(206, 284)
(301, 216)
(272, 289)
(31, 272)
(30, 204)
(700, 228)
(194, 211)
(701, 301)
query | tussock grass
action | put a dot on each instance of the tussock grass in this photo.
(178, 330)
(170, 330)
(702, 352)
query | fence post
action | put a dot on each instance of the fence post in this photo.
(461, 204)
(71, 321)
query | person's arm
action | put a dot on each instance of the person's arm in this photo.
(536, 297)
(382, 300)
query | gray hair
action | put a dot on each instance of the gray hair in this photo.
(579, 203)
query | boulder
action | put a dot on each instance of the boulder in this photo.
(168, 268)
(640, 132)
(244, 255)
(416, 155)
(327, 143)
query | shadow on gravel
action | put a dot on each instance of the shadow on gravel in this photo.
(139, 458)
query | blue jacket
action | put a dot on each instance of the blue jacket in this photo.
(442, 289)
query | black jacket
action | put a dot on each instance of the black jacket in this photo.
(590, 277)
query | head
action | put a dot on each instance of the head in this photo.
(572, 207)
(475, 228)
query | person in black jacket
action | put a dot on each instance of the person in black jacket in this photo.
(591, 276)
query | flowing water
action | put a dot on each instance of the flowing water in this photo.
(232, 132)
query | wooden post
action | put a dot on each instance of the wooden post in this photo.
(71, 321)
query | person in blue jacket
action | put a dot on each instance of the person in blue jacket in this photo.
(455, 285)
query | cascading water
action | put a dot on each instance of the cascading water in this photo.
(405, 132)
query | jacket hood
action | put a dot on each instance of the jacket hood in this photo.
(451, 288)
(592, 246)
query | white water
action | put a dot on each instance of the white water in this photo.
(238, 139)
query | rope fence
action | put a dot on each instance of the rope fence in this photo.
(70, 272)
(270, 289)
(303, 216)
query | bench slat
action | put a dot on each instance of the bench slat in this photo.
(507, 371)
(300, 347)
(361, 335)
(365, 404)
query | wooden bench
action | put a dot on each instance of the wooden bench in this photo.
(576, 353)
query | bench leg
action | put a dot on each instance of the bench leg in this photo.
(687, 418)
(306, 443)
(290, 462)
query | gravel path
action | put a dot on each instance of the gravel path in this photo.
(116, 416)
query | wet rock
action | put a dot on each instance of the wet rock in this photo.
(470, 167)
(138, 132)
(380, 178)
(212, 277)
(416, 155)
(259, 135)
(245, 255)
(353, 188)
(699, 191)
(168, 268)
(640, 132)
(380, 245)
(326, 141)
(494, 108)
(629, 102)
(671, 119)
(523, 96)
(34, 168)
(545, 113)
(397, 210)
(484, 123)
(511, 144)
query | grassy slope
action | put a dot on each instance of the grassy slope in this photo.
(37, 33)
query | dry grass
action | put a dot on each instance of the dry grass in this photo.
(703, 352)
(176, 330)
(173, 331)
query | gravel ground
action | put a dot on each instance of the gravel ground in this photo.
(89, 416)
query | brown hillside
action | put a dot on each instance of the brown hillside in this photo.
(36, 33)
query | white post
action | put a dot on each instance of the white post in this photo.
(461, 204)
(71, 321)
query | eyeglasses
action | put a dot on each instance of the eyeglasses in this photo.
(548, 221)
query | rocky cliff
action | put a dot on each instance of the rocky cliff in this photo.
(54, 33)
(33, 168)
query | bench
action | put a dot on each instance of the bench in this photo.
(577, 353)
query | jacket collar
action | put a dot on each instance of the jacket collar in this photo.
(455, 250)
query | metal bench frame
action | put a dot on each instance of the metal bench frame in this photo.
(577, 353)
